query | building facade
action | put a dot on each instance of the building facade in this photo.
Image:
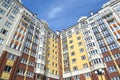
(30, 50)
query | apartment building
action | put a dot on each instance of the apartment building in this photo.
(100, 34)
(41, 55)
(52, 68)
(23, 43)
(74, 53)
(30, 50)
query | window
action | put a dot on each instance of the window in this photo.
(93, 52)
(113, 46)
(53, 64)
(93, 24)
(76, 28)
(100, 21)
(80, 43)
(20, 72)
(14, 12)
(55, 47)
(63, 36)
(65, 50)
(98, 36)
(83, 57)
(75, 68)
(91, 44)
(7, 68)
(31, 63)
(16, 7)
(86, 32)
(71, 47)
(67, 70)
(48, 70)
(106, 33)
(1, 41)
(56, 72)
(76, 77)
(65, 56)
(27, 43)
(72, 53)
(117, 56)
(69, 36)
(52, 71)
(5, 5)
(8, 1)
(47, 78)
(97, 61)
(116, 8)
(101, 43)
(116, 78)
(11, 18)
(67, 79)
(81, 50)
(2, 11)
(104, 49)
(71, 41)
(109, 39)
(70, 32)
(24, 61)
(85, 65)
(119, 65)
(56, 58)
(26, 50)
(78, 38)
(38, 65)
(64, 45)
(48, 54)
(29, 74)
(0, 19)
(11, 56)
(48, 61)
(112, 69)
(53, 51)
(8, 24)
(33, 54)
(3, 31)
(87, 75)
(73, 60)
(77, 32)
(88, 38)
(30, 30)
(108, 58)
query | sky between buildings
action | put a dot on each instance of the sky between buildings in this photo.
(61, 14)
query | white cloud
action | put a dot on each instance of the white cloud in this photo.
(54, 12)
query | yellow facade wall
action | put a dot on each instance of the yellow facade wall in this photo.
(5, 75)
(88, 79)
(10, 62)
(53, 57)
(79, 63)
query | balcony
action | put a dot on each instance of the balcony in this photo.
(39, 71)
(98, 66)
(110, 18)
(23, 24)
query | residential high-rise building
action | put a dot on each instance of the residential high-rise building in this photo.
(30, 50)
(74, 53)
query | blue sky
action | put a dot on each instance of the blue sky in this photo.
(61, 14)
